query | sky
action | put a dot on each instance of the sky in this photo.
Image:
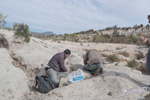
(69, 16)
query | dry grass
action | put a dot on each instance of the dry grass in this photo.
(142, 68)
(124, 54)
(140, 55)
(118, 48)
(112, 58)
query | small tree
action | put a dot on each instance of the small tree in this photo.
(147, 25)
(2, 21)
(15, 25)
(141, 25)
(22, 31)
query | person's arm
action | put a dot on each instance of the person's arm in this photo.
(85, 59)
(61, 64)
(145, 40)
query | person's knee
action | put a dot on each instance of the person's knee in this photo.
(53, 75)
(63, 74)
(85, 67)
(99, 65)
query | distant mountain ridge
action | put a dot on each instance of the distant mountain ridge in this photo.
(44, 33)
(49, 33)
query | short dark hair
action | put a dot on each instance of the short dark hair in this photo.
(67, 51)
(148, 16)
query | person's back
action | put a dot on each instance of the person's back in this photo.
(147, 42)
(93, 62)
(92, 57)
(56, 68)
(57, 62)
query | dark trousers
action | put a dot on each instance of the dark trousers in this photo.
(148, 63)
(93, 68)
(55, 75)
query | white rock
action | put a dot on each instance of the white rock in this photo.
(13, 81)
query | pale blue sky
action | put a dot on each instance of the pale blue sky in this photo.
(68, 16)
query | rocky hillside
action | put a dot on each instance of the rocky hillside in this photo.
(127, 35)
(21, 61)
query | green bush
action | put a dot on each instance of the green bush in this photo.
(15, 25)
(22, 31)
(132, 64)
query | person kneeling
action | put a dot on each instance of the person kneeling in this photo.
(56, 68)
(93, 62)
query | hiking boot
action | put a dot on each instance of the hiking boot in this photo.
(101, 71)
(98, 71)
(62, 82)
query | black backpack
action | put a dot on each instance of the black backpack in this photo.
(44, 84)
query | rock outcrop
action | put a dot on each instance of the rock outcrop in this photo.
(13, 81)
(20, 63)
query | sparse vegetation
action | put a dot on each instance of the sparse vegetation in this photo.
(124, 54)
(3, 42)
(118, 48)
(142, 67)
(132, 64)
(140, 55)
(59, 41)
(116, 35)
(22, 31)
(15, 25)
(113, 58)
(2, 21)
(81, 43)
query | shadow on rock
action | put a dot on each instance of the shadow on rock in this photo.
(123, 75)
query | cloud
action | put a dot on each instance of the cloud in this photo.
(68, 16)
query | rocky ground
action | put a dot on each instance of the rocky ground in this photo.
(21, 61)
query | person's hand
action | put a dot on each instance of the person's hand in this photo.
(145, 40)
(68, 70)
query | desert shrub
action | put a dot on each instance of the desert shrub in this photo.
(8, 28)
(2, 21)
(118, 48)
(15, 25)
(22, 31)
(134, 39)
(141, 25)
(58, 41)
(115, 33)
(104, 39)
(132, 64)
(101, 39)
(81, 43)
(140, 55)
(142, 68)
(124, 54)
(113, 58)
(3, 42)
(94, 38)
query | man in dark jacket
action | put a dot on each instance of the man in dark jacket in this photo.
(93, 62)
(56, 68)
(147, 42)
